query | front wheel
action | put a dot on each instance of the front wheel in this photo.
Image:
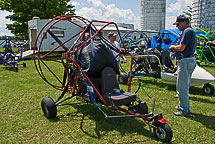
(49, 108)
(208, 89)
(163, 132)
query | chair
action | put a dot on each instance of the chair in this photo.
(110, 89)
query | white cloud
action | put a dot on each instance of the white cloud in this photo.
(169, 22)
(3, 22)
(74, 3)
(174, 10)
(96, 3)
(100, 11)
(178, 7)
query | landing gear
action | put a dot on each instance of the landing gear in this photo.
(49, 108)
(24, 64)
(16, 68)
(208, 89)
(163, 132)
(123, 78)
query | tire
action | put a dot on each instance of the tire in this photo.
(163, 132)
(208, 89)
(198, 63)
(123, 78)
(49, 108)
(16, 69)
(24, 64)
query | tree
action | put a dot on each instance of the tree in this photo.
(25, 10)
(188, 13)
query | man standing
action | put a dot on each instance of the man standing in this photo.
(112, 40)
(186, 63)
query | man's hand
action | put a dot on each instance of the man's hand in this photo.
(123, 57)
(172, 47)
(125, 61)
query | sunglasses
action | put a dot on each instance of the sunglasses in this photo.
(178, 24)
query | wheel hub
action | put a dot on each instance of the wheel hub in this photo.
(161, 133)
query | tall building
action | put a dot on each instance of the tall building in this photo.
(152, 14)
(203, 15)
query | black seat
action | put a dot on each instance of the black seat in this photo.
(110, 89)
(166, 61)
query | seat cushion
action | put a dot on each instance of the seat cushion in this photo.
(118, 99)
(111, 91)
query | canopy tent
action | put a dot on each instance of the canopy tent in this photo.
(166, 38)
(169, 37)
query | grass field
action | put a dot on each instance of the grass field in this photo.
(22, 120)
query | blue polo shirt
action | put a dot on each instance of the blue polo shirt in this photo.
(188, 37)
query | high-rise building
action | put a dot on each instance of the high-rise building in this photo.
(152, 14)
(203, 14)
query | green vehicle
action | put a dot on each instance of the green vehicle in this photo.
(205, 48)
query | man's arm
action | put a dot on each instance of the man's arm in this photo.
(178, 48)
(123, 57)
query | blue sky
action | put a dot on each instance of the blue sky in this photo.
(123, 11)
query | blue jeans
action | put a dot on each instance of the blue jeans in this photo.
(185, 69)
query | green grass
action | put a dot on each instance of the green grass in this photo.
(14, 49)
(22, 120)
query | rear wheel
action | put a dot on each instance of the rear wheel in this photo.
(208, 89)
(16, 68)
(123, 78)
(163, 132)
(198, 63)
(24, 64)
(49, 108)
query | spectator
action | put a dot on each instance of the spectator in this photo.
(186, 63)
(112, 40)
